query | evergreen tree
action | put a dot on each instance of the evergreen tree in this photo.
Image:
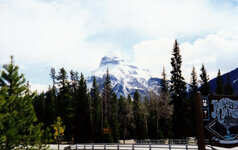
(18, 123)
(178, 91)
(194, 82)
(193, 90)
(165, 108)
(219, 88)
(140, 118)
(205, 86)
(113, 120)
(97, 112)
(53, 76)
(63, 106)
(82, 112)
(228, 90)
(106, 100)
(50, 112)
(39, 107)
(164, 83)
(125, 118)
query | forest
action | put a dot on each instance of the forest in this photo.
(69, 112)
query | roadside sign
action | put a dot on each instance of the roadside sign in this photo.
(220, 115)
(107, 131)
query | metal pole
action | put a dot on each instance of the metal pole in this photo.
(117, 146)
(93, 147)
(169, 147)
(186, 146)
(199, 122)
(150, 146)
(84, 147)
(132, 146)
(104, 146)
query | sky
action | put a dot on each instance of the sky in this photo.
(76, 34)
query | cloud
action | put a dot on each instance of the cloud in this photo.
(54, 34)
(216, 51)
(76, 34)
(38, 87)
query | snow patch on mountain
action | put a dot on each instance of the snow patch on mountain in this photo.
(125, 78)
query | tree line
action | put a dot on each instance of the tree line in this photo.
(90, 115)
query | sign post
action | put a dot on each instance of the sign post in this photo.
(199, 122)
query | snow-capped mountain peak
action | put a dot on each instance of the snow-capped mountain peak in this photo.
(125, 78)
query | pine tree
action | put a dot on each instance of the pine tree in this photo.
(50, 112)
(18, 123)
(53, 76)
(219, 88)
(178, 91)
(39, 107)
(97, 112)
(165, 109)
(194, 82)
(125, 118)
(82, 112)
(205, 86)
(140, 118)
(228, 89)
(164, 84)
(63, 100)
(106, 100)
(193, 90)
(113, 120)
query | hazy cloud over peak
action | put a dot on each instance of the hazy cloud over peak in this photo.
(76, 34)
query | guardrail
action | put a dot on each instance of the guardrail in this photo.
(133, 147)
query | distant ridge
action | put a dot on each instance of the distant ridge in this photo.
(233, 80)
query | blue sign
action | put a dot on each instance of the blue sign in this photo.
(223, 119)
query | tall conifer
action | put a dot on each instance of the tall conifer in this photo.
(18, 123)
(228, 89)
(219, 88)
(178, 91)
(205, 86)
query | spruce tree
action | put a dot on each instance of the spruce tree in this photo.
(193, 90)
(178, 91)
(228, 89)
(140, 118)
(165, 109)
(50, 112)
(82, 112)
(106, 100)
(125, 118)
(18, 123)
(97, 112)
(205, 86)
(53, 76)
(219, 88)
(193, 82)
(113, 120)
(63, 102)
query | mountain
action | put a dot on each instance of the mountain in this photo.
(125, 78)
(233, 79)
